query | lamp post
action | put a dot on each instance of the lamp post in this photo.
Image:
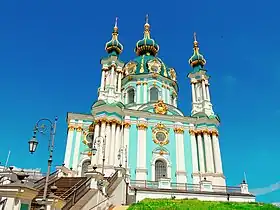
(97, 141)
(44, 126)
(122, 151)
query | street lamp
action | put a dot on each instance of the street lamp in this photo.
(97, 141)
(122, 151)
(44, 126)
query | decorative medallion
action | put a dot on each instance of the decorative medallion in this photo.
(130, 67)
(160, 134)
(160, 107)
(154, 66)
(172, 74)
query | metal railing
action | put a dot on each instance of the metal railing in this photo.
(112, 179)
(183, 186)
(75, 193)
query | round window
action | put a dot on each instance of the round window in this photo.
(161, 136)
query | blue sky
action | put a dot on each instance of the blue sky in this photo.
(50, 64)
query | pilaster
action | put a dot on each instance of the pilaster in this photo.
(208, 152)
(180, 155)
(200, 153)
(69, 144)
(194, 153)
(118, 139)
(77, 148)
(138, 92)
(217, 153)
(141, 170)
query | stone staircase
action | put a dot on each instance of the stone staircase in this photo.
(84, 200)
(120, 207)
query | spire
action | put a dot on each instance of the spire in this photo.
(147, 45)
(196, 60)
(114, 46)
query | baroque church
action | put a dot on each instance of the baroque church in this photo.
(136, 123)
(136, 143)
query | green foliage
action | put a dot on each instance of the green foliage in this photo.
(185, 204)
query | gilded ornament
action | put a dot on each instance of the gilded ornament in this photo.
(71, 128)
(172, 73)
(179, 130)
(89, 154)
(205, 131)
(91, 127)
(192, 132)
(79, 129)
(214, 133)
(85, 142)
(162, 152)
(142, 126)
(154, 66)
(138, 83)
(130, 68)
(154, 75)
(160, 134)
(160, 107)
(126, 124)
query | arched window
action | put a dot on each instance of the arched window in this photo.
(153, 94)
(130, 95)
(85, 167)
(160, 170)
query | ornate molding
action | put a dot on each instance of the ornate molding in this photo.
(203, 131)
(79, 129)
(71, 128)
(160, 107)
(179, 130)
(138, 83)
(127, 124)
(142, 126)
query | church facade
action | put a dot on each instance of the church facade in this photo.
(136, 123)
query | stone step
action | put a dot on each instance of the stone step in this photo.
(120, 207)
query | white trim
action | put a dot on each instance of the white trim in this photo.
(126, 94)
(159, 92)
(156, 157)
(84, 159)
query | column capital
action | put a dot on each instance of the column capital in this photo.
(145, 83)
(179, 130)
(79, 129)
(214, 133)
(138, 83)
(192, 132)
(127, 124)
(71, 127)
(142, 126)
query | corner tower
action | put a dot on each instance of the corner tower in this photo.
(201, 103)
(110, 85)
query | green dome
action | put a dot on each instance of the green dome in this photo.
(147, 44)
(114, 46)
(148, 64)
(196, 59)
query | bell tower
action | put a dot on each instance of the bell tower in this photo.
(201, 102)
(112, 70)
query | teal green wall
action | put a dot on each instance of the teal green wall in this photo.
(73, 148)
(132, 161)
(188, 156)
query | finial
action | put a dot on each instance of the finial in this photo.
(116, 22)
(194, 36)
(147, 19)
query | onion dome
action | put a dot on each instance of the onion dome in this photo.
(114, 46)
(147, 45)
(197, 59)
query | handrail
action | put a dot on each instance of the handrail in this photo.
(3, 203)
(71, 189)
(45, 177)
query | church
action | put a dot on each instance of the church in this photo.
(135, 143)
(135, 123)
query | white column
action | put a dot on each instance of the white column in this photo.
(69, 146)
(119, 81)
(200, 153)
(208, 152)
(180, 155)
(117, 145)
(203, 90)
(208, 92)
(102, 133)
(102, 80)
(194, 152)
(108, 142)
(138, 89)
(193, 93)
(145, 92)
(163, 93)
(112, 143)
(126, 138)
(168, 98)
(141, 173)
(95, 158)
(217, 153)
(77, 148)
(112, 76)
